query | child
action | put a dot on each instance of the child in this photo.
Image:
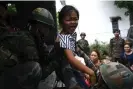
(68, 20)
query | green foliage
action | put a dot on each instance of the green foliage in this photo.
(102, 47)
(12, 9)
(125, 4)
(58, 25)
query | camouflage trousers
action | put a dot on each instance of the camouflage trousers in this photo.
(21, 76)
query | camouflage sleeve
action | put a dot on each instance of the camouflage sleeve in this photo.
(27, 48)
(110, 48)
(123, 41)
(87, 60)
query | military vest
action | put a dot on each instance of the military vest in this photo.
(7, 57)
(84, 45)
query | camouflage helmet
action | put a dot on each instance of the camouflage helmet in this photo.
(116, 76)
(43, 15)
(82, 34)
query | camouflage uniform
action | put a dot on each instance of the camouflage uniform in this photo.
(116, 76)
(17, 61)
(20, 56)
(84, 45)
(116, 48)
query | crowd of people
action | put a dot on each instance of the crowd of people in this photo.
(23, 59)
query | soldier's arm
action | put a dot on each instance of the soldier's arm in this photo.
(123, 41)
(88, 48)
(110, 48)
(27, 48)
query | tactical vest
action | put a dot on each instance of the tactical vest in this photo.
(84, 46)
(7, 57)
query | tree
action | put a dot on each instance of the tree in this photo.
(102, 47)
(127, 5)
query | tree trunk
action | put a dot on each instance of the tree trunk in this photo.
(131, 18)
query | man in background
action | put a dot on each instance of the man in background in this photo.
(116, 46)
(83, 43)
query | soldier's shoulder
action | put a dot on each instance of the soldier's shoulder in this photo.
(112, 39)
(79, 40)
(22, 37)
(122, 38)
(86, 40)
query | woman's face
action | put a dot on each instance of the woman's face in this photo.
(94, 56)
(127, 48)
(70, 22)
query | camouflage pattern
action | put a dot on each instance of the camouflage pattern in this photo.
(43, 15)
(84, 45)
(116, 76)
(11, 46)
(116, 47)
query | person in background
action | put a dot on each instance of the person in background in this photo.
(83, 43)
(116, 46)
(68, 20)
(127, 55)
(95, 57)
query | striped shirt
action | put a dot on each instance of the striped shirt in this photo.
(68, 41)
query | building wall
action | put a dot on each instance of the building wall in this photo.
(95, 19)
(102, 28)
(109, 9)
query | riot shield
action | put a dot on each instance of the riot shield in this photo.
(116, 76)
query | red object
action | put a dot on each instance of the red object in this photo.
(87, 82)
(13, 29)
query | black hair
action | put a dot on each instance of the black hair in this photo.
(65, 10)
(116, 30)
(127, 42)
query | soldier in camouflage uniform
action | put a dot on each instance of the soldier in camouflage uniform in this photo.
(84, 45)
(116, 46)
(22, 54)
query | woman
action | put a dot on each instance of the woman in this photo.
(95, 57)
(127, 55)
(68, 20)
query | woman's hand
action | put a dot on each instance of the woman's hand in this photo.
(87, 76)
(131, 67)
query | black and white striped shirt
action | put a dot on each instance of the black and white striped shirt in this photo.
(68, 41)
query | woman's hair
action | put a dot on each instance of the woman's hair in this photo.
(98, 53)
(65, 10)
(128, 43)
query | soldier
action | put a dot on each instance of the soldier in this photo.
(116, 46)
(84, 45)
(22, 53)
